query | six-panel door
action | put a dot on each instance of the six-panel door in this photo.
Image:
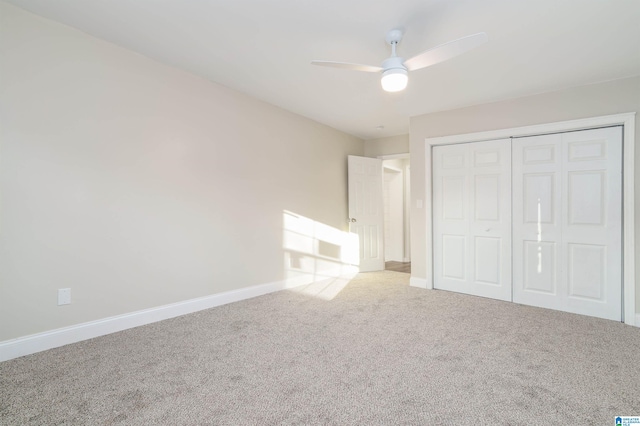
(366, 210)
(472, 218)
(567, 222)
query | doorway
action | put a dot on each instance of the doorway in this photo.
(396, 213)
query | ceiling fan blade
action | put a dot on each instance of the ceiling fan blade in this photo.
(445, 51)
(348, 66)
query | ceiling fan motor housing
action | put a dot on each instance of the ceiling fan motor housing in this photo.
(393, 63)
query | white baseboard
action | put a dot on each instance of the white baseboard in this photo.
(418, 282)
(637, 323)
(406, 259)
(26, 345)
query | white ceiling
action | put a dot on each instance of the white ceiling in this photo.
(263, 48)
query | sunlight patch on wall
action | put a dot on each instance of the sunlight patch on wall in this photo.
(319, 260)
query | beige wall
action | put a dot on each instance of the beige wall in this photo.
(386, 146)
(137, 185)
(607, 98)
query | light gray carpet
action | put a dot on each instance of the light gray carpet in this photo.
(380, 352)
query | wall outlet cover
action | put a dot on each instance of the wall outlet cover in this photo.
(64, 296)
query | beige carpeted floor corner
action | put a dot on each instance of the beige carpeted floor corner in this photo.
(379, 352)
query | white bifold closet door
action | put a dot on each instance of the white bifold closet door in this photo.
(472, 218)
(567, 218)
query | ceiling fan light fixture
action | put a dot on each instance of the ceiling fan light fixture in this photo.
(394, 69)
(394, 80)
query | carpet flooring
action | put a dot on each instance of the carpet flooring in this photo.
(379, 352)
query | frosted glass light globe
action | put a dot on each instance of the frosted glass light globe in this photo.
(394, 80)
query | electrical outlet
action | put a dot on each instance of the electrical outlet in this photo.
(64, 296)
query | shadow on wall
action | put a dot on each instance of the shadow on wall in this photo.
(319, 260)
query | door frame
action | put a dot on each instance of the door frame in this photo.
(627, 120)
(407, 201)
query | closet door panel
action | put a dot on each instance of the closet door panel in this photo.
(471, 211)
(536, 220)
(592, 222)
(567, 203)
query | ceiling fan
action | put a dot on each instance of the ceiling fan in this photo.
(394, 69)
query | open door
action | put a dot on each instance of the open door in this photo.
(366, 211)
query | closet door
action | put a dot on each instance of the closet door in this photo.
(472, 218)
(567, 222)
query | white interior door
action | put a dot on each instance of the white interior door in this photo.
(567, 222)
(366, 214)
(472, 218)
